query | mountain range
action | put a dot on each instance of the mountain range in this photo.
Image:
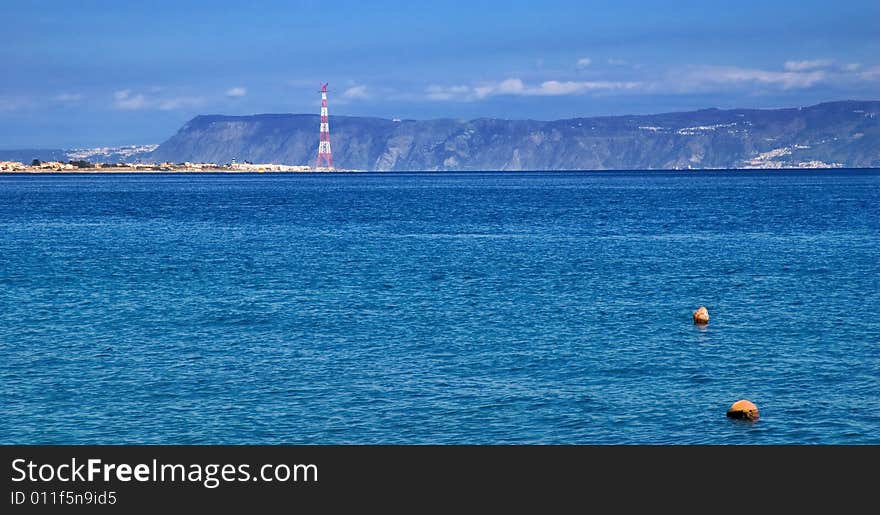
(832, 134)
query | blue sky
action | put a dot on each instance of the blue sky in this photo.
(94, 73)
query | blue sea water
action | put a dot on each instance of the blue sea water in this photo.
(477, 308)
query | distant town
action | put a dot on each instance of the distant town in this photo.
(37, 166)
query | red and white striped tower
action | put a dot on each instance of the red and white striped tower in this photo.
(324, 153)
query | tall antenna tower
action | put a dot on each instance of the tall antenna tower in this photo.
(324, 153)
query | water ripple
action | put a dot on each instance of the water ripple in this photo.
(426, 308)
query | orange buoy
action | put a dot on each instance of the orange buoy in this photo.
(743, 410)
(701, 315)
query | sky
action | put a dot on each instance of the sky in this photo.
(103, 73)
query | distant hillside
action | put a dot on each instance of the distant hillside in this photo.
(843, 133)
(124, 154)
(26, 155)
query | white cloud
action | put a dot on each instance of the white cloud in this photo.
(617, 62)
(355, 92)
(434, 92)
(126, 101)
(505, 87)
(803, 66)
(171, 104)
(870, 74)
(716, 75)
(553, 87)
(236, 92)
(583, 62)
(67, 97)
(516, 87)
(793, 75)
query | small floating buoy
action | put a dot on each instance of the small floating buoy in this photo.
(701, 315)
(743, 410)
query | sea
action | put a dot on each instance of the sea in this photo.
(440, 308)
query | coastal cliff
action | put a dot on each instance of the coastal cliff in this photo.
(833, 134)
